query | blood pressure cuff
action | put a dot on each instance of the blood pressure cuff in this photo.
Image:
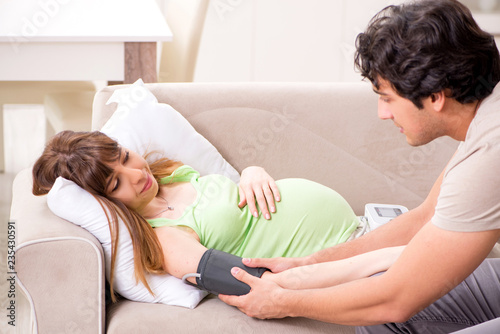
(215, 273)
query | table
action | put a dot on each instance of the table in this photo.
(80, 40)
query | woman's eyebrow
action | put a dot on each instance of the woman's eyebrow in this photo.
(111, 176)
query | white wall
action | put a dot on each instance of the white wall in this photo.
(283, 40)
(293, 40)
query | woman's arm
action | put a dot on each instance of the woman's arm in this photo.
(183, 254)
(257, 185)
(328, 274)
(182, 250)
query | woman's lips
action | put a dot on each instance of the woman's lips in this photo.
(148, 184)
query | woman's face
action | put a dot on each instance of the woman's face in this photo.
(132, 182)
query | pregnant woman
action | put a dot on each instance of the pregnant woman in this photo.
(182, 223)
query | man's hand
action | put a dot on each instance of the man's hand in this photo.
(262, 300)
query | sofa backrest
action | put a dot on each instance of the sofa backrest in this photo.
(326, 132)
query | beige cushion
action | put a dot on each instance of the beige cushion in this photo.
(326, 132)
(211, 317)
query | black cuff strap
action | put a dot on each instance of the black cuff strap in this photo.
(215, 276)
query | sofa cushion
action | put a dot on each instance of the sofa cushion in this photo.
(212, 316)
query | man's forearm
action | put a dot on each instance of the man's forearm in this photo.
(336, 305)
(327, 274)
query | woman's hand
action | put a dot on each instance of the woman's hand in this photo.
(276, 264)
(327, 274)
(257, 185)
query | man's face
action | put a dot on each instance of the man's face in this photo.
(420, 126)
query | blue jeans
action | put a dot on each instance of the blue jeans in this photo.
(474, 301)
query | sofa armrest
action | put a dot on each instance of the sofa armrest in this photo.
(51, 253)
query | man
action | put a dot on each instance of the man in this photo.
(436, 73)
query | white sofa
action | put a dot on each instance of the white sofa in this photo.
(326, 132)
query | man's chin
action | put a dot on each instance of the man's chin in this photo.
(415, 143)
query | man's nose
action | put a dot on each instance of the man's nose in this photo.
(383, 112)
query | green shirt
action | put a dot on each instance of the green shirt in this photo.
(308, 218)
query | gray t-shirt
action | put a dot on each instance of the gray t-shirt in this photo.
(469, 200)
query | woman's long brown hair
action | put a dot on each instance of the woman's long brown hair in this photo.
(85, 158)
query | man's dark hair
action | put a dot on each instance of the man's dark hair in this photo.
(426, 46)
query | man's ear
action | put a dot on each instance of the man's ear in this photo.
(437, 100)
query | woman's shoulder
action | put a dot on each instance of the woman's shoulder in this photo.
(183, 173)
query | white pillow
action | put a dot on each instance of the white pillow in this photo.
(67, 200)
(141, 124)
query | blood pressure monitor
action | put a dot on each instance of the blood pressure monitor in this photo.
(379, 214)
